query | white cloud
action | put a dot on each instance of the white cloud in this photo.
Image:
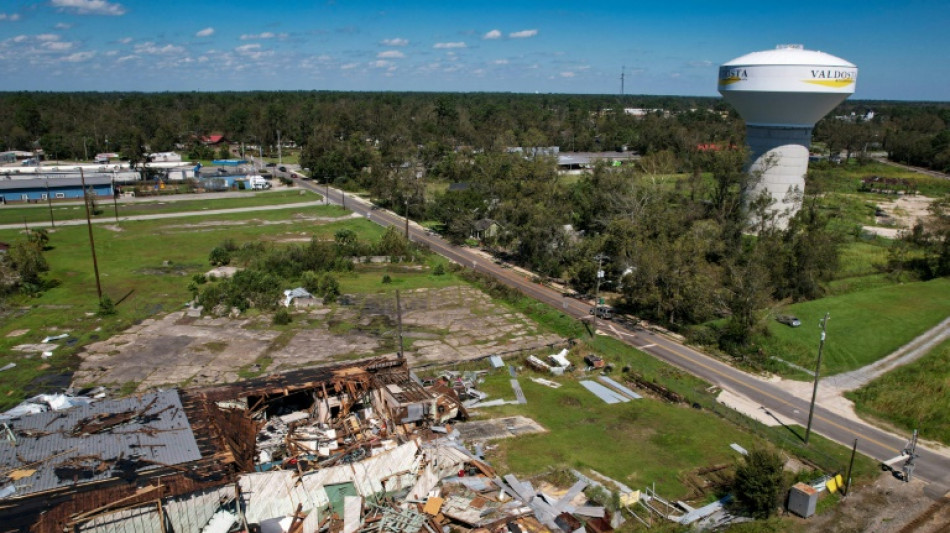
(47, 37)
(57, 46)
(90, 7)
(494, 34)
(12, 17)
(390, 54)
(78, 57)
(349, 66)
(458, 44)
(500, 61)
(207, 32)
(380, 63)
(20, 38)
(111, 53)
(125, 40)
(567, 74)
(394, 42)
(63, 26)
(255, 36)
(247, 48)
(151, 48)
(523, 34)
(123, 59)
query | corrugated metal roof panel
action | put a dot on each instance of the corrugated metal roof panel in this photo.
(603, 392)
(155, 432)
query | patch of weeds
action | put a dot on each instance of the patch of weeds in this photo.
(214, 346)
(281, 341)
(258, 367)
(127, 388)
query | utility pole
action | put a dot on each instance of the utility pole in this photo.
(280, 160)
(399, 322)
(847, 490)
(407, 220)
(622, 76)
(327, 195)
(92, 242)
(600, 275)
(814, 393)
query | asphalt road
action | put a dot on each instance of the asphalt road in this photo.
(873, 442)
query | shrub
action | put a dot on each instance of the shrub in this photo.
(759, 482)
(439, 270)
(282, 317)
(387, 279)
(219, 256)
(106, 306)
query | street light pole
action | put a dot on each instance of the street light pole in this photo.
(280, 160)
(407, 220)
(814, 392)
(92, 242)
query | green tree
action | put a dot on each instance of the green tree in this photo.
(759, 482)
(26, 258)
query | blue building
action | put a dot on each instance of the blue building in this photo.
(30, 190)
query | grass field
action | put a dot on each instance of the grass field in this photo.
(75, 210)
(145, 268)
(915, 396)
(864, 327)
(639, 443)
(846, 178)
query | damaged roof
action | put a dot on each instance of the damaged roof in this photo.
(95, 442)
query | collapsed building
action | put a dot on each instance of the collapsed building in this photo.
(67, 470)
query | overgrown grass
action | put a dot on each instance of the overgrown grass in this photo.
(846, 178)
(864, 327)
(915, 396)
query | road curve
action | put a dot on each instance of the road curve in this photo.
(873, 442)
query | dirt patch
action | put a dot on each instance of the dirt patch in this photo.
(448, 324)
(112, 227)
(886, 506)
(18, 333)
(899, 215)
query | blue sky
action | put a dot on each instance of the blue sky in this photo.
(564, 47)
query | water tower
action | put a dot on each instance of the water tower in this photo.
(781, 94)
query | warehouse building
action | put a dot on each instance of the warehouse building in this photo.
(34, 190)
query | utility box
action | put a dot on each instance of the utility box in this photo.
(802, 500)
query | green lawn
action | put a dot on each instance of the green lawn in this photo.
(41, 213)
(864, 327)
(145, 268)
(639, 442)
(915, 396)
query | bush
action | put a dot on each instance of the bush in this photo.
(282, 317)
(387, 279)
(439, 270)
(219, 256)
(106, 306)
(759, 482)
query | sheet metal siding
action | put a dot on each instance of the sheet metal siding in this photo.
(167, 439)
(603, 392)
(620, 388)
(38, 193)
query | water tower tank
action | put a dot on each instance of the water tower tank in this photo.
(781, 94)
